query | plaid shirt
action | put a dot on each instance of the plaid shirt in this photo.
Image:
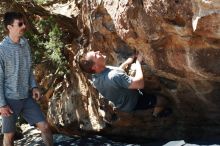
(16, 76)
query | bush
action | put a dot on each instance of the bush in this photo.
(47, 45)
(1, 30)
(53, 50)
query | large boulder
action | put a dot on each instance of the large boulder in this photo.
(180, 44)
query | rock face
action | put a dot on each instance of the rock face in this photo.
(180, 41)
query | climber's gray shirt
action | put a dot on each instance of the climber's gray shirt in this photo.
(113, 84)
(16, 76)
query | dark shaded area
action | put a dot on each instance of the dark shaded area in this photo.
(101, 141)
(170, 84)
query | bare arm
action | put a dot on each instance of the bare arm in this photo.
(138, 79)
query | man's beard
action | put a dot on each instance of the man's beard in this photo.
(21, 33)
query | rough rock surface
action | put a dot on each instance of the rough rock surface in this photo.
(180, 41)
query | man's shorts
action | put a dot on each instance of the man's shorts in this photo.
(27, 108)
(145, 101)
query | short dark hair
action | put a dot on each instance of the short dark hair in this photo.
(9, 18)
(86, 65)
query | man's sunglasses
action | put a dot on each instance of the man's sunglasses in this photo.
(20, 24)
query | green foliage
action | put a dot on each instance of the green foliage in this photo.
(1, 30)
(53, 50)
(37, 46)
(40, 1)
(47, 45)
(44, 24)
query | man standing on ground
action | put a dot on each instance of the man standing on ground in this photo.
(16, 82)
(115, 85)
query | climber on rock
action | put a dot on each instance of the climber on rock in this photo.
(115, 85)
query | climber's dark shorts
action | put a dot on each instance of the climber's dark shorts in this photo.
(27, 108)
(146, 101)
